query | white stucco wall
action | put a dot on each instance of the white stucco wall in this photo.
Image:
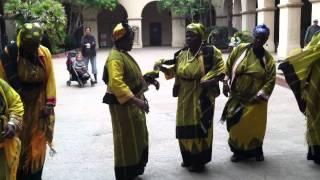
(152, 15)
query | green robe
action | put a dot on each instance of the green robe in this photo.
(302, 74)
(130, 134)
(195, 110)
(246, 121)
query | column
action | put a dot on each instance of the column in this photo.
(137, 27)
(266, 13)
(248, 15)
(289, 26)
(236, 19)
(315, 9)
(178, 31)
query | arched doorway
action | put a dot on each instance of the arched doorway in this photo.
(156, 26)
(106, 22)
(306, 12)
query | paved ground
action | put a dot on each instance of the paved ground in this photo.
(83, 135)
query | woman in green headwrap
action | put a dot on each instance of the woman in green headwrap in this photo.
(127, 105)
(302, 74)
(197, 70)
(249, 80)
(27, 67)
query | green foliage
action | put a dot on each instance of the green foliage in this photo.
(244, 36)
(178, 7)
(104, 4)
(188, 8)
(70, 43)
(49, 13)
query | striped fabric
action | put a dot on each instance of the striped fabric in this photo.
(246, 121)
(130, 134)
(302, 72)
(195, 105)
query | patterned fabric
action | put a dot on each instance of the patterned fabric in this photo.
(130, 134)
(261, 29)
(302, 74)
(38, 91)
(197, 28)
(120, 31)
(10, 148)
(246, 121)
(195, 105)
(30, 32)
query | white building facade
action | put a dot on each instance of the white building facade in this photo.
(287, 20)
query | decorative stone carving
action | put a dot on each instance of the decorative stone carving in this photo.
(136, 35)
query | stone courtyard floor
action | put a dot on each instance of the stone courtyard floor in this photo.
(83, 134)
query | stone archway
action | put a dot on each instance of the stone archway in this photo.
(156, 26)
(106, 22)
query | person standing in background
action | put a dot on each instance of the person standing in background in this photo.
(311, 30)
(88, 50)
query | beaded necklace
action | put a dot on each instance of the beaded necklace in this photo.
(189, 60)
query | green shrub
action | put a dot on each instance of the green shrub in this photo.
(218, 36)
(49, 13)
(244, 36)
(70, 43)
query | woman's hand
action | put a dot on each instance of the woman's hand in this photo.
(143, 105)
(46, 111)
(9, 131)
(226, 88)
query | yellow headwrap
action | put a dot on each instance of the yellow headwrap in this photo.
(118, 32)
(197, 28)
(29, 32)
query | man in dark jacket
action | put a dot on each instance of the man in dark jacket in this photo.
(311, 30)
(88, 45)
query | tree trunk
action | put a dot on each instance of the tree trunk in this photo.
(210, 13)
(70, 20)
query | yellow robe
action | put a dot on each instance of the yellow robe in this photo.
(195, 104)
(10, 148)
(130, 134)
(246, 121)
(37, 133)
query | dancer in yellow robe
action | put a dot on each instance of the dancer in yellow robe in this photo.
(11, 112)
(27, 67)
